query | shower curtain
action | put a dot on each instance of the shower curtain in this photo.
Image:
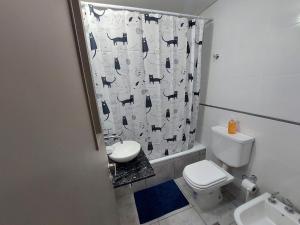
(146, 71)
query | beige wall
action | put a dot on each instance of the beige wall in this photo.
(49, 170)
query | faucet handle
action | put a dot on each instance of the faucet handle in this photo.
(106, 135)
(272, 198)
(110, 136)
(290, 208)
(288, 202)
(274, 194)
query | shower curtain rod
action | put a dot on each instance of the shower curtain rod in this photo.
(119, 7)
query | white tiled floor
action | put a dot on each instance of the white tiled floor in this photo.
(189, 215)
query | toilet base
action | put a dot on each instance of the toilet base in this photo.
(208, 199)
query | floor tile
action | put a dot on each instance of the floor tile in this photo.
(186, 217)
(127, 210)
(189, 215)
(137, 186)
(222, 213)
(180, 181)
(121, 191)
(156, 223)
(174, 212)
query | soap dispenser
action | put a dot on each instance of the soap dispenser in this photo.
(232, 126)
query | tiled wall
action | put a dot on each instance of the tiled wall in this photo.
(258, 72)
(165, 170)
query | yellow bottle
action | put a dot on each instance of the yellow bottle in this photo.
(232, 126)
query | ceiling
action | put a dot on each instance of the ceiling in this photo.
(193, 7)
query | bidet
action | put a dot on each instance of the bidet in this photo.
(265, 210)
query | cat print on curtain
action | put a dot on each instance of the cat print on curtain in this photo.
(146, 71)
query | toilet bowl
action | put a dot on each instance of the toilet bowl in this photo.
(206, 178)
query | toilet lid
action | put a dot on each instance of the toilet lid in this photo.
(204, 173)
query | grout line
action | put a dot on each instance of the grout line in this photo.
(170, 214)
(164, 218)
(254, 114)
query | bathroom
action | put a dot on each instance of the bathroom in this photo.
(150, 112)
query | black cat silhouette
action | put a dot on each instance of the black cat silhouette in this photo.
(175, 95)
(193, 131)
(187, 121)
(154, 79)
(149, 18)
(148, 103)
(190, 77)
(105, 110)
(117, 65)
(122, 39)
(124, 102)
(168, 114)
(125, 122)
(150, 147)
(145, 47)
(197, 93)
(183, 138)
(188, 49)
(186, 98)
(198, 43)
(168, 64)
(192, 23)
(131, 18)
(172, 139)
(106, 82)
(96, 15)
(154, 128)
(93, 43)
(171, 42)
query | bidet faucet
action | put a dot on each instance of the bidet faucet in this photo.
(273, 196)
(112, 136)
(290, 208)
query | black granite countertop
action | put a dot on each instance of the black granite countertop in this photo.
(133, 171)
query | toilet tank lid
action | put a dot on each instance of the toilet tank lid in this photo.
(238, 137)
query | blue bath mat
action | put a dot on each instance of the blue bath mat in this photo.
(159, 200)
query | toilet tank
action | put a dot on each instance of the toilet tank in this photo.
(232, 149)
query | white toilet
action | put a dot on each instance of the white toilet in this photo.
(205, 177)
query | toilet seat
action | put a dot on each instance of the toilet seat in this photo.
(205, 174)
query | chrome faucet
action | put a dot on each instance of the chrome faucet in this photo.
(112, 136)
(272, 198)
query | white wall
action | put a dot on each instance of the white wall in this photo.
(193, 7)
(50, 171)
(259, 72)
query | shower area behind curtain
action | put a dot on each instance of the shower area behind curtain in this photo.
(146, 71)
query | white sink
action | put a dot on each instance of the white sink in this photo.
(123, 152)
(260, 211)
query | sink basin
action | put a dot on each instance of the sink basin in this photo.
(260, 211)
(124, 152)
